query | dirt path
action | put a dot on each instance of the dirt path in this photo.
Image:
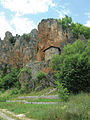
(35, 97)
(7, 115)
(42, 96)
(26, 102)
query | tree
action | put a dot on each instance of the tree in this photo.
(76, 28)
(66, 22)
(26, 36)
(10, 80)
(79, 28)
(73, 67)
(12, 40)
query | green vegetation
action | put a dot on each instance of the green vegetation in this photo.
(1, 118)
(12, 94)
(25, 88)
(42, 79)
(26, 36)
(42, 100)
(10, 80)
(6, 95)
(76, 28)
(72, 76)
(41, 75)
(73, 66)
(63, 92)
(66, 22)
(27, 70)
(77, 108)
(12, 40)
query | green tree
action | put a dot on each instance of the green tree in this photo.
(62, 92)
(66, 22)
(41, 75)
(76, 28)
(12, 40)
(26, 36)
(73, 68)
(10, 80)
(79, 28)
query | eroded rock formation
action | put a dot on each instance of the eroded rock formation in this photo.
(35, 52)
(38, 49)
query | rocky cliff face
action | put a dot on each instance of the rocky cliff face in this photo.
(32, 53)
(23, 51)
(50, 33)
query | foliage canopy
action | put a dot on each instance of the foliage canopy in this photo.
(73, 66)
(76, 28)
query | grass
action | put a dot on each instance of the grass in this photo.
(77, 108)
(42, 92)
(42, 100)
(1, 118)
(13, 95)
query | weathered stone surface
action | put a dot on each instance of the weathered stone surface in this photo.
(37, 51)
(38, 47)
(49, 34)
(50, 52)
(26, 79)
(21, 52)
(8, 35)
(23, 78)
(34, 67)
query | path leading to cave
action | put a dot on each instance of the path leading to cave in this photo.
(7, 115)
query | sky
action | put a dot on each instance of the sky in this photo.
(21, 16)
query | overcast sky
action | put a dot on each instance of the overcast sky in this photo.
(21, 16)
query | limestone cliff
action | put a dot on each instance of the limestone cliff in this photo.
(36, 51)
(21, 52)
(49, 34)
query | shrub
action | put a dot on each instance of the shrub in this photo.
(26, 36)
(63, 92)
(27, 70)
(42, 79)
(10, 80)
(73, 66)
(41, 75)
(14, 91)
(25, 81)
(12, 40)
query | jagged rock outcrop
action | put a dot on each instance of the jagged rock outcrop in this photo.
(21, 52)
(36, 51)
(51, 34)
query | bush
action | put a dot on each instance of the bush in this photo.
(14, 91)
(63, 92)
(73, 66)
(26, 36)
(10, 80)
(41, 75)
(12, 40)
(42, 79)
